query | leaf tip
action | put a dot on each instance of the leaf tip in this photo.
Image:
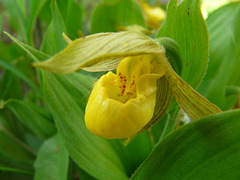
(66, 38)
(5, 32)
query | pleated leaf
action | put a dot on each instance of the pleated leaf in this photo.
(204, 149)
(73, 19)
(224, 54)
(53, 41)
(93, 154)
(13, 151)
(8, 66)
(34, 10)
(66, 97)
(52, 160)
(184, 24)
(35, 118)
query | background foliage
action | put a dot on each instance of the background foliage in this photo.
(42, 130)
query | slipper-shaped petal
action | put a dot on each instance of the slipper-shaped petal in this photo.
(121, 104)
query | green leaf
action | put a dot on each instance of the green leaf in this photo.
(6, 65)
(45, 13)
(29, 115)
(132, 158)
(72, 84)
(224, 61)
(204, 149)
(34, 10)
(234, 78)
(172, 53)
(165, 126)
(184, 23)
(15, 170)
(22, 6)
(33, 141)
(85, 148)
(53, 41)
(11, 123)
(8, 80)
(52, 160)
(73, 19)
(106, 18)
(17, 18)
(34, 53)
(72, 14)
(14, 152)
(13, 176)
(83, 175)
(110, 2)
(220, 26)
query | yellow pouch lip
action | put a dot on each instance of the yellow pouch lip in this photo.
(129, 118)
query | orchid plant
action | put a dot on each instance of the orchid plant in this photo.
(124, 104)
(149, 91)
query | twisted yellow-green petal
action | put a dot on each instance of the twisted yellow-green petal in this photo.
(100, 48)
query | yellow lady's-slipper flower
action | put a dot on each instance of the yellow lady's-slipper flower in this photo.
(121, 104)
(126, 103)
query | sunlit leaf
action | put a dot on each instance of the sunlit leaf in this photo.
(205, 149)
(184, 24)
(224, 57)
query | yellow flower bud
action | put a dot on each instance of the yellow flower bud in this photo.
(153, 15)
